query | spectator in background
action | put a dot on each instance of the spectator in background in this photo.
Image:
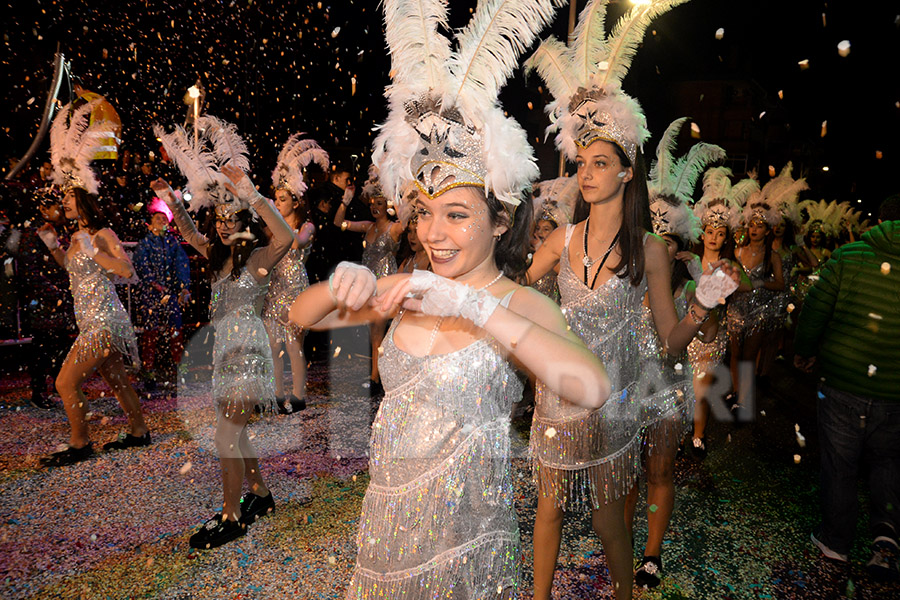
(44, 297)
(329, 247)
(849, 313)
(162, 266)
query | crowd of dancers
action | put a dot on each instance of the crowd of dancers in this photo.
(629, 300)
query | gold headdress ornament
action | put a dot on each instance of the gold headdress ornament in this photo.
(445, 128)
(774, 201)
(585, 79)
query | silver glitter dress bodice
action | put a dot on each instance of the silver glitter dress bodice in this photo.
(381, 255)
(752, 312)
(547, 286)
(583, 457)
(103, 324)
(438, 519)
(287, 280)
(243, 373)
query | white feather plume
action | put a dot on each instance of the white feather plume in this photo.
(227, 145)
(198, 165)
(552, 63)
(419, 52)
(626, 38)
(589, 47)
(73, 144)
(296, 155)
(489, 50)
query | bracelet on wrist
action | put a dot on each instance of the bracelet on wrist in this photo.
(695, 318)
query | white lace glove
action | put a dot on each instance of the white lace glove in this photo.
(247, 191)
(83, 244)
(352, 285)
(348, 196)
(712, 289)
(49, 238)
(442, 297)
(695, 268)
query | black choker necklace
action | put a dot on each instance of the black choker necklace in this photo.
(588, 262)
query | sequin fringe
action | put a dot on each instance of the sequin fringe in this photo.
(95, 344)
(487, 567)
(281, 333)
(581, 487)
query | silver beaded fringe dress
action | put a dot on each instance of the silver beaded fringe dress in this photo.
(380, 256)
(438, 519)
(103, 324)
(287, 280)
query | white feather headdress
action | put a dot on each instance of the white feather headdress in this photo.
(823, 216)
(73, 144)
(585, 79)
(445, 128)
(672, 181)
(295, 155)
(554, 200)
(722, 202)
(372, 187)
(218, 144)
(774, 201)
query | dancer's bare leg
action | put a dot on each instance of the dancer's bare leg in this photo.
(298, 365)
(278, 361)
(547, 537)
(71, 377)
(229, 429)
(252, 473)
(609, 524)
(113, 372)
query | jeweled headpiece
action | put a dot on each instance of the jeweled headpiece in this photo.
(721, 203)
(585, 79)
(445, 128)
(672, 181)
(199, 159)
(554, 200)
(372, 187)
(295, 155)
(73, 143)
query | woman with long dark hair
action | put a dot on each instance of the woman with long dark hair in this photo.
(105, 336)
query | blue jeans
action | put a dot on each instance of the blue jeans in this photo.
(855, 431)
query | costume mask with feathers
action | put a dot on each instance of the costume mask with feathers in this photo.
(585, 79)
(294, 157)
(672, 181)
(219, 144)
(445, 128)
(73, 144)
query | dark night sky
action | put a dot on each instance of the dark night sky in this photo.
(279, 67)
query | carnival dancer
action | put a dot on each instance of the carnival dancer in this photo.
(718, 210)
(582, 457)
(554, 204)
(105, 339)
(381, 241)
(438, 519)
(289, 277)
(666, 378)
(240, 260)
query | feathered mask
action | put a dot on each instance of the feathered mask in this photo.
(554, 200)
(73, 143)
(585, 79)
(218, 144)
(776, 200)
(445, 128)
(293, 158)
(672, 181)
(721, 203)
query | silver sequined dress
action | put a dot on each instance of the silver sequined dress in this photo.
(243, 372)
(103, 324)
(381, 255)
(583, 457)
(438, 519)
(288, 279)
(751, 312)
(547, 286)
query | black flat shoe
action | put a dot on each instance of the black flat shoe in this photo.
(254, 507)
(649, 573)
(216, 532)
(126, 440)
(297, 404)
(69, 456)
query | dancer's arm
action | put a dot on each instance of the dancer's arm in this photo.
(340, 213)
(182, 219)
(304, 237)
(47, 234)
(777, 282)
(111, 255)
(547, 256)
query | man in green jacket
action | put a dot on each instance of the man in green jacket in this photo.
(849, 329)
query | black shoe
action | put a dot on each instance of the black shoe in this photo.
(41, 401)
(217, 531)
(69, 456)
(375, 388)
(297, 404)
(649, 573)
(883, 566)
(126, 440)
(254, 507)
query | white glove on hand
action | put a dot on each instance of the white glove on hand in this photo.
(49, 238)
(83, 244)
(442, 297)
(712, 289)
(247, 191)
(348, 196)
(695, 268)
(352, 285)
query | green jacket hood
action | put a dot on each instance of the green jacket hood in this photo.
(884, 238)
